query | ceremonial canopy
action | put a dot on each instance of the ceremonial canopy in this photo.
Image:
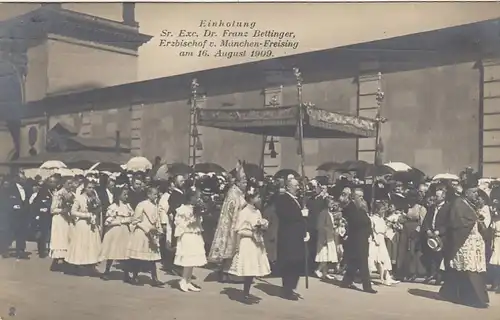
(282, 122)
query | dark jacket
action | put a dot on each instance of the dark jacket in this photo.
(291, 230)
(359, 230)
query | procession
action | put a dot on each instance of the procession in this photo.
(441, 230)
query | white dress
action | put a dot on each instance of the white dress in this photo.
(145, 219)
(62, 201)
(117, 237)
(85, 244)
(495, 255)
(250, 259)
(326, 246)
(378, 253)
(190, 250)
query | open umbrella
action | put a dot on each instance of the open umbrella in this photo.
(178, 168)
(64, 172)
(446, 176)
(329, 166)
(413, 175)
(398, 166)
(138, 164)
(53, 164)
(208, 167)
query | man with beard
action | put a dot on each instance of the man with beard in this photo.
(292, 233)
(435, 223)
(464, 253)
(41, 209)
(359, 230)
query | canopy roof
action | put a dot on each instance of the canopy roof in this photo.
(282, 121)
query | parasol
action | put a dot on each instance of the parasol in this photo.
(446, 176)
(53, 164)
(106, 166)
(398, 166)
(138, 164)
(64, 172)
(208, 167)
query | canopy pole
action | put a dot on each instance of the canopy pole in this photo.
(193, 130)
(300, 134)
(379, 120)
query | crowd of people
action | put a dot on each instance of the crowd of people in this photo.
(444, 232)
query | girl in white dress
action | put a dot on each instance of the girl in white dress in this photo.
(326, 246)
(117, 237)
(85, 246)
(144, 244)
(62, 201)
(378, 254)
(250, 259)
(190, 251)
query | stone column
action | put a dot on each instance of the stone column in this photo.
(273, 97)
(490, 119)
(367, 108)
(136, 113)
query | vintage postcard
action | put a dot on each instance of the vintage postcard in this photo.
(250, 160)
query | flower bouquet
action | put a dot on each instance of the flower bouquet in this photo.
(67, 200)
(94, 207)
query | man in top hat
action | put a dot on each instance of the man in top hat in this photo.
(435, 224)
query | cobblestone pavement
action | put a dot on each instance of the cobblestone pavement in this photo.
(37, 293)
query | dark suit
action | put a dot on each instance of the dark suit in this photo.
(359, 230)
(432, 259)
(41, 208)
(19, 215)
(291, 233)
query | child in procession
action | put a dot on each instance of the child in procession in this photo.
(190, 250)
(250, 260)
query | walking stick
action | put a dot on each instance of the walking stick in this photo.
(300, 134)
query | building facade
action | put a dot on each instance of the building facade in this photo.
(441, 92)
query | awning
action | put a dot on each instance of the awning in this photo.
(282, 122)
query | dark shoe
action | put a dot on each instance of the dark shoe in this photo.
(22, 256)
(56, 267)
(157, 283)
(292, 296)
(134, 281)
(348, 286)
(370, 290)
(105, 276)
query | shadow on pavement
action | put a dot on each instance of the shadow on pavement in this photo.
(425, 294)
(269, 289)
(238, 296)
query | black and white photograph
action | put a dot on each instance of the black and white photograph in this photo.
(294, 160)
